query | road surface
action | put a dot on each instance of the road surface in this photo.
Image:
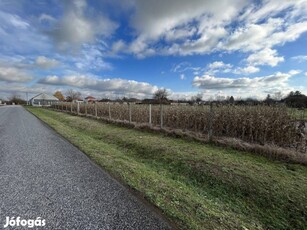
(43, 175)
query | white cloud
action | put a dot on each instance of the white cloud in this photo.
(115, 86)
(46, 17)
(246, 70)
(266, 56)
(156, 18)
(12, 74)
(202, 27)
(182, 77)
(180, 21)
(294, 72)
(46, 63)
(91, 58)
(75, 28)
(183, 67)
(300, 58)
(275, 82)
(252, 37)
(182, 33)
(219, 65)
(305, 74)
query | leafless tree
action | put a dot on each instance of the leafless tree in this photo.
(161, 95)
(72, 95)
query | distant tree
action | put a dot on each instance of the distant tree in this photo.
(231, 100)
(220, 97)
(196, 99)
(59, 95)
(296, 99)
(72, 95)
(105, 100)
(297, 93)
(278, 96)
(16, 99)
(161, 96)
(251, 101)
(268, 100)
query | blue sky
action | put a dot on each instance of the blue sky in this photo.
(113, 48)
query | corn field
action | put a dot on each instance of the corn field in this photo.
(261, 124)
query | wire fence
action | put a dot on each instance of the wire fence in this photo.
(274, 125)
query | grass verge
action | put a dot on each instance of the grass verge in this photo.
(197, 186)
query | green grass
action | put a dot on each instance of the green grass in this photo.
(195, 185)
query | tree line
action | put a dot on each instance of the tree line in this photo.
(294, 99)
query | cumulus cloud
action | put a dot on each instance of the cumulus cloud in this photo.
(252, 37)
(46, 63)
(265, 57)
(216, 83)
(77, 28)
(12, 74)
(246, 70)
(156, 18)
(116, 85)
(180, 21)
(221, 67)
(201, 27)
(218, 65)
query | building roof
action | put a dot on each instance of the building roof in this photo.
(44, 96)
(90, 97)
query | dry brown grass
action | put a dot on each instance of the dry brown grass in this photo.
(262, 129)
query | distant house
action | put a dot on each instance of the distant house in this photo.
(90, 99)
(77, 100)
(43, 99)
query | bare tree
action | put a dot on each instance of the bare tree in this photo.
(197, 98)
(16, 99)
(72, 95)
(277, 96)
(161, 95)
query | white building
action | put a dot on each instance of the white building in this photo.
(43, 99)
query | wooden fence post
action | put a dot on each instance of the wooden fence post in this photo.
(161, 116)
(96, 110)
(110, 111)
(130, 117)
(78, 108)
(150, 114)
(210, 122)
(71, 107)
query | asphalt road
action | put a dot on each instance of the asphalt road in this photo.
(43, 175)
